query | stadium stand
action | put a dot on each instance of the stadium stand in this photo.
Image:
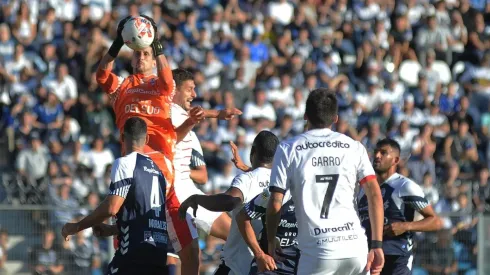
(414, 70)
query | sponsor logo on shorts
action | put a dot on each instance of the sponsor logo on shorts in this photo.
(336, 239)
(322, 144)
(346, 227)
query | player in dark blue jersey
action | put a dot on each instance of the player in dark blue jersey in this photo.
(137, 199)
(401, 199)
(285, 236)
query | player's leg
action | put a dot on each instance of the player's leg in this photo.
(221, 226)
(172, 260)
(183, 233)
(183, 236)
(397, 265)
(216, 224)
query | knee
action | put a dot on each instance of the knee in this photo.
(190, 252)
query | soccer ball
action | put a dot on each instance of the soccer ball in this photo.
(138, 33)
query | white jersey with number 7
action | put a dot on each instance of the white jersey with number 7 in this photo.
(323, 170)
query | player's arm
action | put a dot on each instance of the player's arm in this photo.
(120, 183)
(375, 206)
(196, 115)
(255, 209)
(237, 160)
(225, 114)
(224, 202)
(278, 185)
(413, 197)
(104, 76)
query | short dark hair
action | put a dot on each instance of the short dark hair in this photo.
(264, 146)
(181, 75)
(135, 128)
(390, 142)
(321, 107)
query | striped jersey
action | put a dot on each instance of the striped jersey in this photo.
(401, 198)
(188, 152)
(141, 219)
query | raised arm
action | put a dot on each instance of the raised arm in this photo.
(104, 76)
(224, 202)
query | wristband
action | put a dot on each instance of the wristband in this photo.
(157, 47)
(116, 47)
(376, 244)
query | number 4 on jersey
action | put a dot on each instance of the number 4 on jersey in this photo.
(332, 184)
(155, 196)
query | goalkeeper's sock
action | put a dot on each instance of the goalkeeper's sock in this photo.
(171, 269)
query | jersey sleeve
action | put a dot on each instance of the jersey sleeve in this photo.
(197, 157)
(178, 115)
(242, 182)
(121, 178)
(365, 171)
(256, 208)
(108, 80)
(279, 175)
(412, 195)
(166, 83)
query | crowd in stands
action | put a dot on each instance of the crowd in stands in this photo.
(414, 70)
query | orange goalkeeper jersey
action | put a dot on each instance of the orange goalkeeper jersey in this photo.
(150, 98)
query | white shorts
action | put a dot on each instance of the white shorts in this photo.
(204, 218)
(316, 266)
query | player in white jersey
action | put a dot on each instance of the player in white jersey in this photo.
(402, 198)
(323, 170)
(236, 256)
(189, 151)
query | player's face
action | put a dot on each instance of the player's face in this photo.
(185, 94)
(143, 61)
(384, 158)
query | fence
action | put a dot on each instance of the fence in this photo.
(34, 242)
(85, 254)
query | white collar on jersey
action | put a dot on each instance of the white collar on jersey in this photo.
(391, 178)
(319, 132)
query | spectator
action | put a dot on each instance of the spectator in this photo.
(442, 259)
(46, 259)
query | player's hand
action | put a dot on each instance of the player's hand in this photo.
(189, 202)
(229, 113)
(375, 261)
(104, 230)
(196, 114)
(273, 249)
(68, 230)
(265, 262)
(395, 229)
(236, 159)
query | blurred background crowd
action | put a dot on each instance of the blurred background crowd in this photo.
(414, 70)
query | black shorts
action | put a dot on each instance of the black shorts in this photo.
(137, 269)
(222, 269)
(397, 265)
(287, 267)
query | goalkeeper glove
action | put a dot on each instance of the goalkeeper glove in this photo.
(156, 45)
(119, 42)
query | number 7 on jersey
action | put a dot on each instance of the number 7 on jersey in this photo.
(332, 184)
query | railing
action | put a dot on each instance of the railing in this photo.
(26, 226)
(484, 245)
